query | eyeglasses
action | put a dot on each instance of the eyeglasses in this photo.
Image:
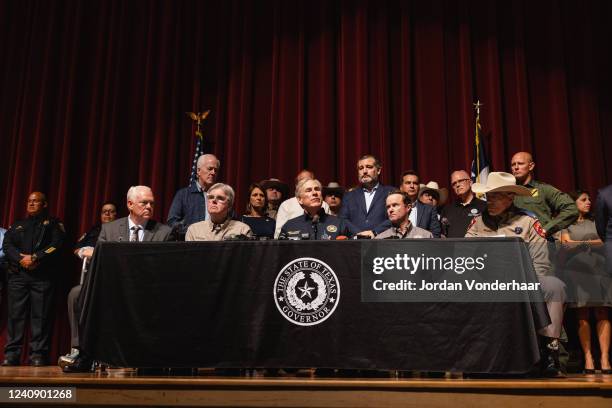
(455, 183)
(220, 199)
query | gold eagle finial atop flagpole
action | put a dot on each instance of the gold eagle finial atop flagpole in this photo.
(198, 118)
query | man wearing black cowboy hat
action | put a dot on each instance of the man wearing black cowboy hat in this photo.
(332, 194)
(276, 192)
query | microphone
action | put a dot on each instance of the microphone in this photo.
(315, 225)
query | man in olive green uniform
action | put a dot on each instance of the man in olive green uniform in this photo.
(502, 217)
(543, 200)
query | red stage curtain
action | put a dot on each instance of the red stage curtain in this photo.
(93, 94)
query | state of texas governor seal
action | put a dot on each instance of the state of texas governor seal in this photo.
(306, 291)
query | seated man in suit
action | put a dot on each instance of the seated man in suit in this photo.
(422, 215)
(314, 222)
(138, 226)
(363, 209)
(398, 209)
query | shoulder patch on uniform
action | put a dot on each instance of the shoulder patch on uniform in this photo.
(472, 222)
(50, 250)
(538, 228)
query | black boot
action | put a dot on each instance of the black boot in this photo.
(549, 363)
(81, 364)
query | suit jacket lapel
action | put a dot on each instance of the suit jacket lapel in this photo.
(361, 200)
(420, 211)
(148, 231)
(377, 195)
(124, 233)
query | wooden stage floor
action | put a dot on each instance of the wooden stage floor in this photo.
(122, 387)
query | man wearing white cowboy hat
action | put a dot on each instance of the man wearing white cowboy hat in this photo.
(502, 218)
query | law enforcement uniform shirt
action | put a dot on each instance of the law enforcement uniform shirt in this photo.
(410, 232)
(40, 236)
(329, 227)
(516, 222)
(456, 217)
(544, 201)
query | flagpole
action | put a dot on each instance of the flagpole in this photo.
(477, 106)
(198, 118)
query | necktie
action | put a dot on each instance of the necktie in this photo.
(134, 235)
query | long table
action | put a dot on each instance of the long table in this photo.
(220, 304)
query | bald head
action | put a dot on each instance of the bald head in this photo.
(36, 203)
(461, 184)
(522, 166)
(304, 175)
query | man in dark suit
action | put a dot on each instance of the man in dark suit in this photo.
(422, 215)
(363, 209)
(136, 227)
(603, 222)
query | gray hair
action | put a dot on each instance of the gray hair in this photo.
(205, 157)
(227, 189)
(134, 191)
(299, 189)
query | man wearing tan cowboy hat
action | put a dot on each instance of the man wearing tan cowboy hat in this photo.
(432, 194)
(332, 194)
(501, 217)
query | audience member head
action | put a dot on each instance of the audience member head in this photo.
(208, 170)
(461, 183)
(276, 191)
(310, 196)
(140, 203)
(332, 194)
(220, 200)
(368, 171)
(36, 203)
(398, 206)
(432, 194)
(522, 167)
(410, 184)
(258, 202)
(583, 202)
(108, 212)
(303, 174)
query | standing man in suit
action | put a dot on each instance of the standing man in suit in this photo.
(422, 215)
(189, 203)
(603, 222)
(32, 248)
(364, 209)
(138, 226)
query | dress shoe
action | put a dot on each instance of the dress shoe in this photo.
(10, 361)
(38, 361)
(81, 364)
(69, 358)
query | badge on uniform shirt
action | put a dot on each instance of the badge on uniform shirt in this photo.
(538, 227)
(474, 212)
(332, 228)
(50, 250)
(518, 230)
